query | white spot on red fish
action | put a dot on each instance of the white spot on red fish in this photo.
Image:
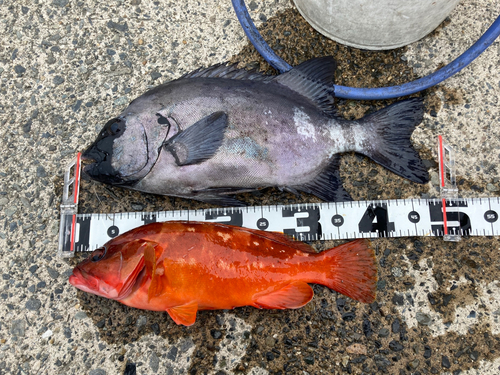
(225, 236)
(223, 265)
(259, 265)
(256, 243)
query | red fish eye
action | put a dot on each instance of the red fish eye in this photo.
(98, 254)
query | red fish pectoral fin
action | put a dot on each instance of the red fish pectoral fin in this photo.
(184, 314)
(156, 271)
(292, 296)
(152, 252)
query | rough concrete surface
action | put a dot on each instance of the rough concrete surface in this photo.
(68, 66)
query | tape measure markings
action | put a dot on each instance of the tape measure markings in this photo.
(308, 222)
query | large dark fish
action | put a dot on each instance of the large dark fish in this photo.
(221, 131)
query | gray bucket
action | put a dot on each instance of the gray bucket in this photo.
(375, 24)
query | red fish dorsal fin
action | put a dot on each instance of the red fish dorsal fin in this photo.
(292, 296)
(154, 270)
(278, 237)
(184, 314)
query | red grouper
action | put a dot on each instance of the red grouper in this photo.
(182, 267)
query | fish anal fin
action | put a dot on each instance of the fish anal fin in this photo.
(184, 314)
(327, 185)
(200, 141)
(291, 296)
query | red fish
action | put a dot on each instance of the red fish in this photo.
(183, 267)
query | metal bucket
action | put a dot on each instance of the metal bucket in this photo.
(375, 24)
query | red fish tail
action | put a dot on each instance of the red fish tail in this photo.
(352, 270)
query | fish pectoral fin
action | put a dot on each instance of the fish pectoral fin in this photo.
(152, 252)
(132, 264)
(292, 296)
(156, 271)
(184, 314)
(159, 283)
(198, 142)
(327, 185)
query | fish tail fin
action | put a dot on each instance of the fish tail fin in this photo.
(352, 270)
(392, 147)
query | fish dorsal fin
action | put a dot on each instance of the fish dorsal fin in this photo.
(284, 239)
(327, 185)
(314, 80)
(200, 141)
(278, 237)
(184, 314)
(292, 296)
(228, 72)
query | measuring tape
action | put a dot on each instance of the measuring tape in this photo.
(449, 217)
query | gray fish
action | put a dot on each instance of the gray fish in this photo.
(221, 131)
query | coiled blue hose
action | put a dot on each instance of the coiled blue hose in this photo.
(371, 93)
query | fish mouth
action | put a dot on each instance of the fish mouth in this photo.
(84, 281)
(112, 159)
(88, 164)
(97, 166)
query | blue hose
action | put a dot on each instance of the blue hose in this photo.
(371, 93)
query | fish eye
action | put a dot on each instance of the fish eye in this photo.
(113, 127)
(162, 120)
(98, 254)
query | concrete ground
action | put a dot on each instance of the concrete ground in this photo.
(68, 66)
